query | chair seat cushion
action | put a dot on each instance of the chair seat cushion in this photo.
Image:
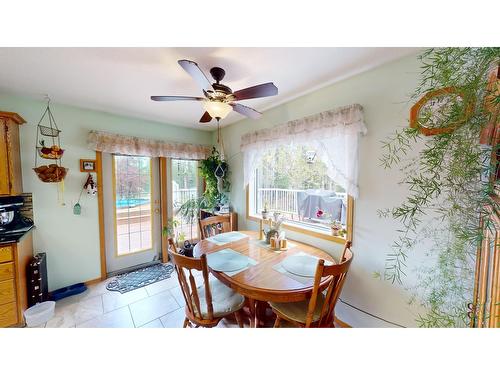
(297, 311)
(224, 300)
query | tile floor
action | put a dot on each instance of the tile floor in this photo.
(158, 305)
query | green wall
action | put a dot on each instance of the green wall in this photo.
(384, 94)
(72, 242)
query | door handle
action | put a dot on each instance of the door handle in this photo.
(157, 210)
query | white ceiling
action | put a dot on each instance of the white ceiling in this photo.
(121, 80)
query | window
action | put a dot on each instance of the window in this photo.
(184, 189)
(132, 193)
(293, 180)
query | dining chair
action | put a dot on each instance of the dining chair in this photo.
(319, 310)
(208, 303)
(214, 225)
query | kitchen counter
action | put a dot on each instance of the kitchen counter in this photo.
(8, 237)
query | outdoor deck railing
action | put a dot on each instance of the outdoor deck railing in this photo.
(180, 196)
(284, 200)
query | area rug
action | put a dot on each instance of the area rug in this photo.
(139, 278)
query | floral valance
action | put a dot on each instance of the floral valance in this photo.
(333, 133)
(123, 144)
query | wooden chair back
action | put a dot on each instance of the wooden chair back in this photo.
(214, 225)
(184, 266)
(337, 273)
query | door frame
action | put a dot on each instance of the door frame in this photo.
(100, 205)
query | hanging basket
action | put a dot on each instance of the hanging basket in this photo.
(49, 148)
(50, 153)
(48, 132)
(51, 173)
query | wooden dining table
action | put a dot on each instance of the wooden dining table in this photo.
(261, 282)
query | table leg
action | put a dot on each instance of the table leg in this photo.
(253, 313)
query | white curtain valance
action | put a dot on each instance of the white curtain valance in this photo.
(334, 134)
(123, 144)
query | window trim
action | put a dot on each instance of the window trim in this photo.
(309, 231)
(113, 167)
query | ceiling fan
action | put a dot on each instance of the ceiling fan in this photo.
(219, 100)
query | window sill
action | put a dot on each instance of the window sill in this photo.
(307, 231)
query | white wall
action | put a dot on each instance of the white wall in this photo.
(384, 94)
(72, 242)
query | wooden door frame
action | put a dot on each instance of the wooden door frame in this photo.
(163, 206)
(100, 205)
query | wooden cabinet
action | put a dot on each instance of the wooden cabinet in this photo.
(14, 260)
(10, 156)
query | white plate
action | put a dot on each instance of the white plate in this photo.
(226, 262)
(301, 265)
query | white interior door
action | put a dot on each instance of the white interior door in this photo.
(131, 211)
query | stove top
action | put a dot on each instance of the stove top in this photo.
(15, 230)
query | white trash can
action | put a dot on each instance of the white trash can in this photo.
(39, 314)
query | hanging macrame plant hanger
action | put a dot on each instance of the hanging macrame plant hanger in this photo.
(220, 143)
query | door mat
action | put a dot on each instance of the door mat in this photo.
(139, 278)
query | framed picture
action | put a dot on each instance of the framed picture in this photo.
(87, 165)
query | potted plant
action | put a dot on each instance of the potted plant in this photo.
(170, 230)
(274, 226)
(336, 226)
(207, 167)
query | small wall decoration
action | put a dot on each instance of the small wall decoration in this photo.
(436, 105)
(87, 165)
(90, 186)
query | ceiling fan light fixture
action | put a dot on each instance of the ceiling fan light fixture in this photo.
(217, 109)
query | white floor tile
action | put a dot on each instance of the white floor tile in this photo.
(174, 319)
(224, 323)
(179, 297)
(120, 318)
(151, 308)
(68, 314)
(163, 285)
(88, 308)
(97, 289)
(115, 300)
(154, 324)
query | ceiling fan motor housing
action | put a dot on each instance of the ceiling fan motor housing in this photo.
(217, 73)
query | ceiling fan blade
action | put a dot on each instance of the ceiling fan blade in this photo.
(246, 111)
(259, 91)
(172, 98)
(206, 117)
(195, 72)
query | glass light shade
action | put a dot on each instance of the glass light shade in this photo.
(217, 109)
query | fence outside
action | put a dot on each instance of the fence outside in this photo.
(181, 196)
(283, 200)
